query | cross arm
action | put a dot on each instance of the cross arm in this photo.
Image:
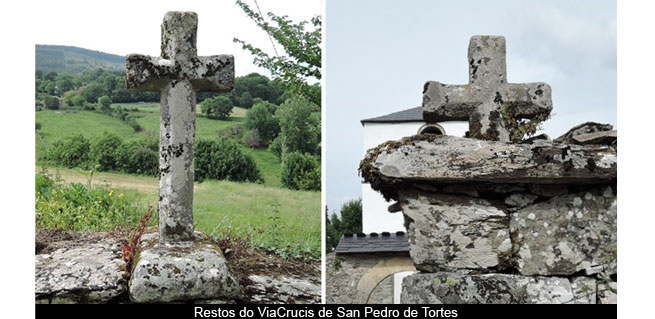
(208, 74)
(442, 102)
(526, 99)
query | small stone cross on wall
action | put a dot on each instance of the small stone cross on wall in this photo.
(178, 73)
(483, 100)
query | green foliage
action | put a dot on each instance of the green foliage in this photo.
(299, 130)
(93, 91)
(71, 152)
(104, 150)
(275, 147)
(223, 159)
(302, 48)
(38, 126)
(301, 171)
(218, 107)
(519, 128)
(78, 100)
(350, 222)
(64, 82)
(139, 157)
(259, 117)
(68, 97)
(80, 207)
(104, 102)
(51, 102)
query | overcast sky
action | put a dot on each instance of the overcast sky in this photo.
(380, 53)
(124, 27)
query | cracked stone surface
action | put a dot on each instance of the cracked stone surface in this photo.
(178, 73)
(283, 290)
(182, 271)
(580, 129)
(448, 232)
(487, 94)
(463, 160)
(567, 234)
(607, 292)
(88, 273)
(454, 288)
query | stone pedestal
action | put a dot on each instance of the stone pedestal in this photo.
(181, 271)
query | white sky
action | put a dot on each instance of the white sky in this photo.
(380, 53)
(124, 27)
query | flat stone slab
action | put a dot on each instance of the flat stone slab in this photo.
(453, 288)
(283, 290)
(448, 159)
(567, 234)
(87, 273)
(452, 232)
(181, 271)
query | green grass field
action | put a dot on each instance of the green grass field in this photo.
(245, 208)
(59, 124)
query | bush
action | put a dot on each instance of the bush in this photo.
(218, 107)
(275, 147)
(51, 102)
(133, 124)
(139, 157)
(71, 152)
(79, 207)
(38, 126)
(301, 171)
(222, 159)
(104, 102)
(104, 150)
(260, 117)
(78, 100)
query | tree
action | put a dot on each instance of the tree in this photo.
(93, 91)
(299, 130)
(302, 48)
(78, 100)
(223, 159)
(104, 151)
(218, 107)
(64, 82)
(259, 117)
(349, 223)
(51, 102)
(68, 97)
(104, 102)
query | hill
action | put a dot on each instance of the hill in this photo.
(75, 60)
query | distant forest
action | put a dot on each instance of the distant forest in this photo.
(89, 86)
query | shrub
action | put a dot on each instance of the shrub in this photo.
(38, 126)
(104, 150)
(78, 100)
(133, 124)
(222, 159)
(51, 102)
(260, 117)
(139, 157)
(104, 103)
(71, 152)
(80, 207)
(301, 171)
(68, 97)
(275, 147)
(218, 107)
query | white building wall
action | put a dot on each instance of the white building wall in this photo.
(375, 216)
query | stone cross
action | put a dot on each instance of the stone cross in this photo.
(487, 95)
(178, 73)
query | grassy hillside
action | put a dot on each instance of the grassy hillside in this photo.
(56, 125)
(74, 60)
(244, 208)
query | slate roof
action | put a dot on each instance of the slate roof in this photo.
(373, 243)
(410, 115)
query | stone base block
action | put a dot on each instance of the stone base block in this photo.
(87, 273)
(448, 232)
(452, 288)
(567, 234)
(181, 272)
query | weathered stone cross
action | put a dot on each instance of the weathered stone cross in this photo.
(177, 74)
(487, 94)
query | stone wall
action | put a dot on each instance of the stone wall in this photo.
(495, 222)
(363, 278)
